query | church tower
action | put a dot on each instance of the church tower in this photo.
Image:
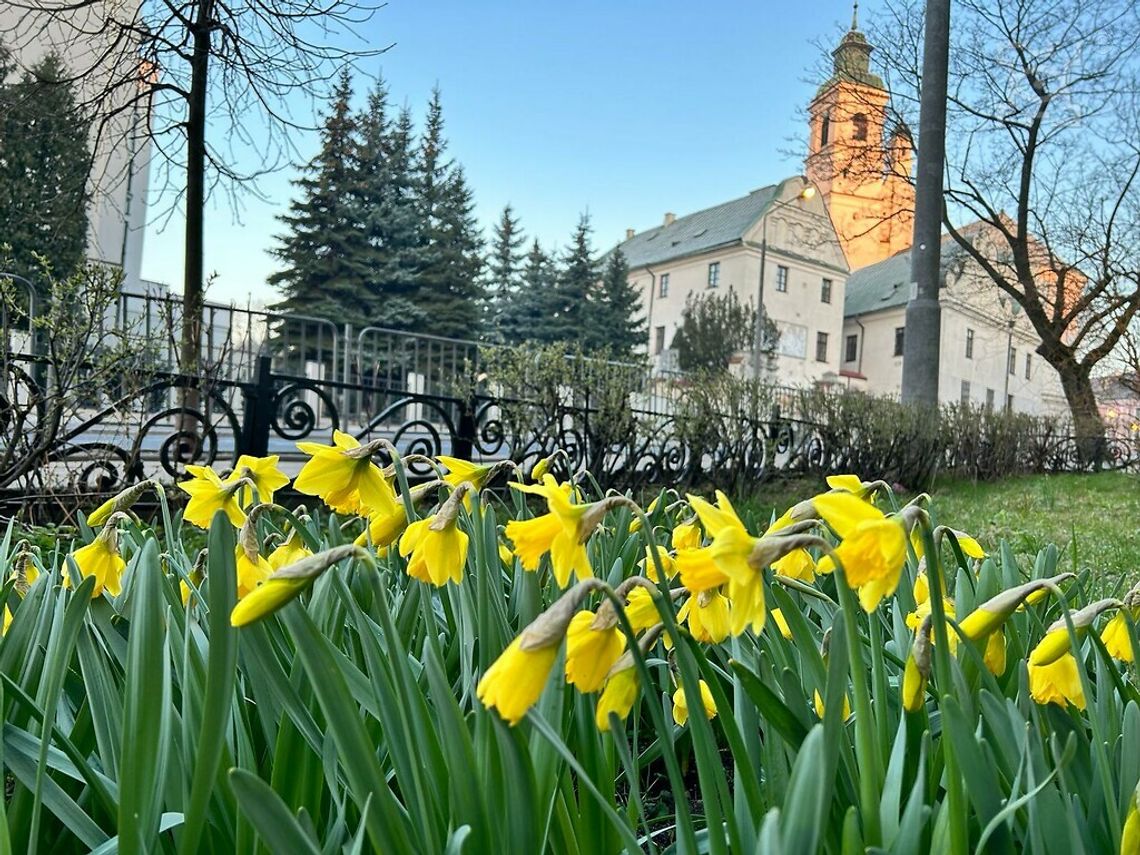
(862, 168)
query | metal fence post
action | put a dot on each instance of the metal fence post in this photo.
(257, 417)
(463, 443)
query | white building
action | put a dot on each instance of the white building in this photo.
(720, 248)
(121, 164)
(987, 348)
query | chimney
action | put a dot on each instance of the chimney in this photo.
(669, 218)
(629, 233)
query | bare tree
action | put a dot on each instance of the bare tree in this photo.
(220, 82)
(1043, 155)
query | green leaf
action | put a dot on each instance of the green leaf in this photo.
(277, 827)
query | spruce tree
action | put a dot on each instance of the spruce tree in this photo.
(325, 249)
(449, 291)
(533, 311)
(504, 279)
(618, 308)
(576, 318)
(384, 196)
(44, 166)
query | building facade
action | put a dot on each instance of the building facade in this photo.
(721, 248)
(118, 183)
(987, 348)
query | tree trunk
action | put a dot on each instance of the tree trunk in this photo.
(1088, 427)
(193, 277)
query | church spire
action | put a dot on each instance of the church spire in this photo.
(855, 15)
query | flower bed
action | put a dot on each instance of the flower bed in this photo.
(439, 669)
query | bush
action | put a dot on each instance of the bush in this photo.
(347, 712)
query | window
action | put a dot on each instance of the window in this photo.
(1013, 360)
(821, 347)
(1028, 366)
(825, 130)
(969, 344)
(781, 278)
(659, 339)
(989, 399)
(900, 340)
(714, 274)
(663, 288)
(1009, 403)
(825, 291)
(852, 352)
(965, 393)
(859, 123)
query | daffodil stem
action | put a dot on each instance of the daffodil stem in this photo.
(868, 757)
(959, 835)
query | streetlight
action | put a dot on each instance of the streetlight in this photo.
(1014, 311)
(758, 344)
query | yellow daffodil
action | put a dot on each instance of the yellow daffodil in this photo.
(344, 475)
(541, 468)
(120, 502)
(1057, 641)
(562, 532)
(994, 656)
(437, 546)
(384, 529)
(916, 672)
(1058, 682)
(289, 552)
(210, 494)
(817, 702)
(686, 536)
(969, 546)
(618, 696)
(505, 555)
(591, 651)
(650, 567)
(285, 584)
(458, 471)
(641, 610)
(782, 624)
(797, 564)
(263, 473)
(681, 707)
(1116, 637)
(991, 614)
(100, 559)
(872, 547)
(7, 620)
(252, 570)
(635, 523)
(708, 616)
(514, 682)
(1130, 837)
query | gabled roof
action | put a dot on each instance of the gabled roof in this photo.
(719, 225)
(886, 284)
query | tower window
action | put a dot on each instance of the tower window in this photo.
(825, 129)
(859, 123)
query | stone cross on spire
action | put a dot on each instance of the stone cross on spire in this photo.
(855, 15)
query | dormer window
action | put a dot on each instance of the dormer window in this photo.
(859, 123)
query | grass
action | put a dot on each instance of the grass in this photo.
(1093, 519)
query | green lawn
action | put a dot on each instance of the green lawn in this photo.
(1094, 519)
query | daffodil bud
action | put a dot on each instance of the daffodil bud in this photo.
(288, 582)
(247, 536)
(993, 612)
(917, 669)
(1057, 642)
(121, 502)
(549, 628)
(768, 550)
(449, 510)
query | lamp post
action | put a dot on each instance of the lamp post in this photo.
(758, 342)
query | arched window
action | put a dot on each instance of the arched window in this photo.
(825, 130)
(859, 122)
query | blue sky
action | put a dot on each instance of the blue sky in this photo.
(624, 109)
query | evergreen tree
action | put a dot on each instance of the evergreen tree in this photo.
(44, 166)
(449, 290)
(618, 309)
(715, 327)
(533, 312)
(575, 317)
(385, 201)
(504, 279)
(325, 250)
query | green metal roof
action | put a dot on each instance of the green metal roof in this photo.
(719, 225)
(886, 284)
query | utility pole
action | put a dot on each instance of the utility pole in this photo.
(923, 312)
